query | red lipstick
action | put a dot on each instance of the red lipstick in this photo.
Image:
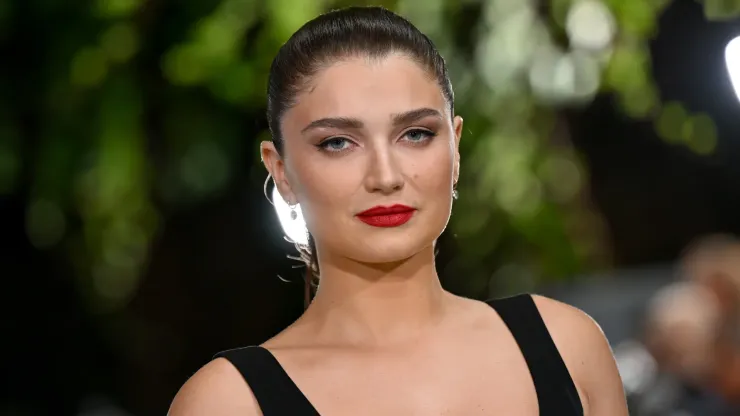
(392, 216)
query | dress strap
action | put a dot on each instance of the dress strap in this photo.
(552, 381)
(275, 391)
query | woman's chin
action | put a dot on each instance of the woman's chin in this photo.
(393, 252)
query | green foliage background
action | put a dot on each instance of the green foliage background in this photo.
(139, 109)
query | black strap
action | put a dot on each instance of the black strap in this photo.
(556, 392)
(274, 390)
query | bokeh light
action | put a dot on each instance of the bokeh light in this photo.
(732, 58)
(590, 25)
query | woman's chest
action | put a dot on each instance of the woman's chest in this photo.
(426, 399)
(463, 384)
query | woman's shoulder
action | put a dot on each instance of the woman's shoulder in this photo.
(571, 326)
(216, 389)
(220, 388)
(577, 336)
(567, 321)
(585, 351)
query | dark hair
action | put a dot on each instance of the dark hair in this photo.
(372, 32)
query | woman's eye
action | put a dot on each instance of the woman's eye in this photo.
(335, 144)
(418, 136)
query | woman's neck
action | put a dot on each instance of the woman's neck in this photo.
(377, 305)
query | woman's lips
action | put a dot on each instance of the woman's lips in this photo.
(392, 216)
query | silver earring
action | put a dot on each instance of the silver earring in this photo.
(293, 213)
(454, 194)
(264, 189)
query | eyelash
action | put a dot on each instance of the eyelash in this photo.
(428, 136)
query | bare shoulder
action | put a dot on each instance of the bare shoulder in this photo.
(576, 329)
(587, 354)
(216, 389)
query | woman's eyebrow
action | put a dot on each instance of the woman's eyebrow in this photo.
(334, 122)
(399, 119)
(409, 117)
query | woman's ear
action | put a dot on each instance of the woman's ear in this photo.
(276, 166)
(457, 124)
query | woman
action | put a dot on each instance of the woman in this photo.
(713, 263)
(698, 366)
(365, 139)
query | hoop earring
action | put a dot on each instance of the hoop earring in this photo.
(264, 189)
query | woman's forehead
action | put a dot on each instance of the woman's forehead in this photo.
(364, 88)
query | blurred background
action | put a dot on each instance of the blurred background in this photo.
(600, 166)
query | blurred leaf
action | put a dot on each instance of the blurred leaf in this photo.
(117, 8)
(89, 67)
(182, 66)
(287, 16)
(627, 69)
(670, 122)
(721, 9)
(639, 102)
(234, 84)
(120, 42)
(559, 11)
(637, 18)
(701, 134)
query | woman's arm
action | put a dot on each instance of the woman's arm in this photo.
(587, 355)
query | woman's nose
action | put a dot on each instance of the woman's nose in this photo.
(384, 173)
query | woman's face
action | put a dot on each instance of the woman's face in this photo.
(368, 133)
(719, 270)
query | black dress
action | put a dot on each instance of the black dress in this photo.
(277, 395)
